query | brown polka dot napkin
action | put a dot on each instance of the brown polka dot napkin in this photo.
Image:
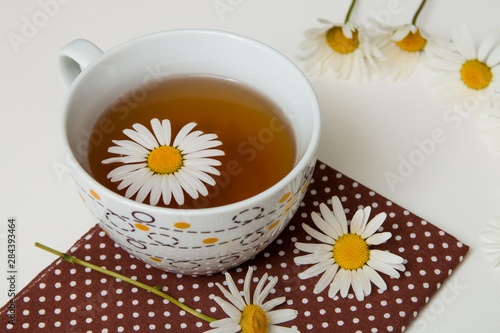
(66, 297)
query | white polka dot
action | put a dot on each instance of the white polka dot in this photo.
(340, 323)
(371, 318)
(387, 315)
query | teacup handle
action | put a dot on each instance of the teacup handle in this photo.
(74, 57)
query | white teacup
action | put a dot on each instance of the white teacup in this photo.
(187, 241)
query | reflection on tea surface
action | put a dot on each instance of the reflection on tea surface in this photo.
(258, 143)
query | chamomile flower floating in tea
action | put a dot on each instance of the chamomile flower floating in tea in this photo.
(345, 258)
(344, 48)
(251, 315)
(491, 244)
(156, 165)
(468, 78)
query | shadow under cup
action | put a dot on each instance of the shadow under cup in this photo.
(195, 241)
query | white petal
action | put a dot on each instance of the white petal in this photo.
(364, 280)
(318, 235)
(486, 45)
(357, 285)
(335, 285)
(373, 225)
(146, 135)
(133, 177)
(378, 238)
(329, 218)
(159, 132)
(326, 279)
(186, 182)
(176, 189)
(346, 30)
(258, 289)
(281, 316)
(317, 269)
(366, 216)
(226, 323)
(231, 297)
(374, 277)
(232, 329)
(202, 176)
(183, 133)
(383, 268)
(167, 130)
(204, 153)
(146, 188)
(166, 192)
(156, 190)
(312, 258)
(124, 170)
(339, 213)
(345, 283)
(357, 221)
(324, 226)
(269, 305)
(132, 147)
(266, 291)
(125, 160)
(240, 303)
(465, 43)
(386, 257)
(312, 248)
(494, 57)
(229, 309)
(246, 286)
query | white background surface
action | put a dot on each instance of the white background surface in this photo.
(367, 129)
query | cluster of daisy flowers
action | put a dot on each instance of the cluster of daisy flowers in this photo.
(467, 76)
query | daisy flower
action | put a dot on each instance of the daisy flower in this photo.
(468, 78)
(491, 245)
(154, 165)
(345, 258)
(345, 49)
(251, 315)
(402, 47)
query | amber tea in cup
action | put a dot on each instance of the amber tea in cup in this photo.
(257, 140)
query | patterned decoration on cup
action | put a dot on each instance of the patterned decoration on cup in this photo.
(154, 165)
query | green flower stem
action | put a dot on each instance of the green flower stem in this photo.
(348, 16)
(414, 21)
(154, 290)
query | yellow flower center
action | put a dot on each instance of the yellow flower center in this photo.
(476, 75)
(339, 42)
(351, 252)
(413, 42)
(254, 320)
(165, 160)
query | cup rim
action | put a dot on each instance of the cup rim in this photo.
(307, 157)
